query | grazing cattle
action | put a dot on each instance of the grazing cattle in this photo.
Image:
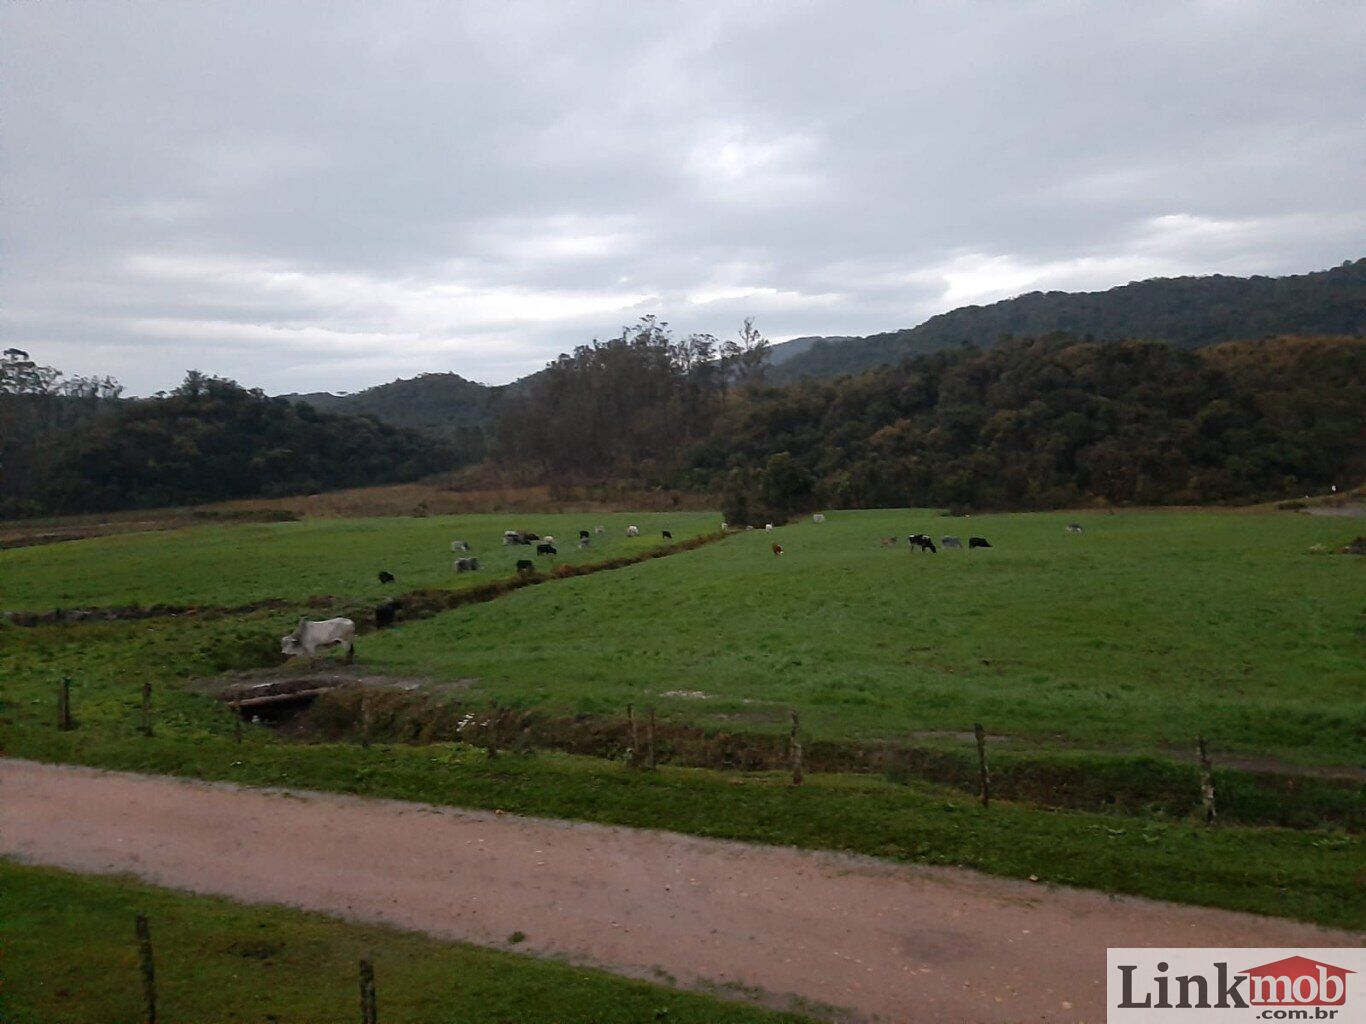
(528, 537)
(512, 537)
(309, 636)
(385, 613)
(725, 527)
(386, 577)
(950, 542)
(460, 545)
(768, 527)
(666, 535)
(633, 531)
(547, 539)
(818, 518)
(525, 565)
(1074, 527)
(978, 542)
(466, 565)
(583, 543)
(778, 550)
(599, 529)
(546, 549)
(923, 542)
(583, 535)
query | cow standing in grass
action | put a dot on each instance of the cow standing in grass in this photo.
(309, 636)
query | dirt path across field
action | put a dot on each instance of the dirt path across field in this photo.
(897, 942)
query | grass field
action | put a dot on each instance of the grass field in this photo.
(221, 963)
(238, 564)
(1137, 635)
(1133, 637)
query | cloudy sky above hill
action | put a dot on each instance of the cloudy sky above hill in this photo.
(307, 195)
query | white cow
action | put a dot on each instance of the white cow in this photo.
(818, 518)
(599, 529)
(768, 527)
(460, 545)
(309, 636)
(466, 565)
(633, 531)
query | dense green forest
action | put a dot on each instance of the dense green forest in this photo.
(1189, 312)
(208, 440)
(1032, 423)
(1076, 411)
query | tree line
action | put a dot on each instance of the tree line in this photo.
(74, 445)
(1035, 423)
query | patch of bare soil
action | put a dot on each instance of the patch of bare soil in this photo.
(896, 942)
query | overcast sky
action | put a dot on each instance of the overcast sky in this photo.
(325, 195)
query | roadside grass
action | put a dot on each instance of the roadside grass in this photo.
(1140, 634)
(228, 565)
(218, 962)
(1312, 874)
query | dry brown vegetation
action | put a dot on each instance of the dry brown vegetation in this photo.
(438, 497)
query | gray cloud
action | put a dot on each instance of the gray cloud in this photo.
(311, 196)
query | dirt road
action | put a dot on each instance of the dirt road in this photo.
(903, 943)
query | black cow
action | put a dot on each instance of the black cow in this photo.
(584, 535)
(667, 535)
(923, 542)
(546, 549)
(527, 537)
(385, 576)
(385, 613)
(978, 542)
(525, 565)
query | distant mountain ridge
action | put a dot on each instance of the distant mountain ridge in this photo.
(1190, 312)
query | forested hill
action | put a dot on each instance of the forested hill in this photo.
(1050, 422)
(442, 403)
(210, 440)
(1189, 312)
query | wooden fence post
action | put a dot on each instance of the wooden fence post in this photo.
(796, 751)
(147, 968)
(635, 736)
(146, 709)
(981, 735)
(64, 721)
(1206, 780)
(369, 1013)
(650, 741)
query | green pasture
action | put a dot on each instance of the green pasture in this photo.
(238, 564)
(1137, 635)
(218, 962)
(1128, 639)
